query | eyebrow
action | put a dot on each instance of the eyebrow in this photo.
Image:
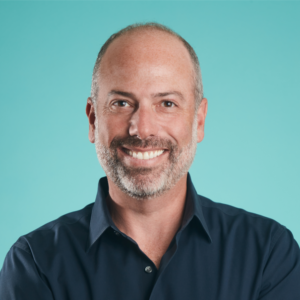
(157, 95)
(121, 93)
(176, 93)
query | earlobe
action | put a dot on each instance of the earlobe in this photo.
(90, 112)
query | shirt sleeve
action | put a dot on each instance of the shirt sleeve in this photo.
(20, 278)
(281, 276)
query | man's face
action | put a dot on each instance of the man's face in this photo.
(146, 129)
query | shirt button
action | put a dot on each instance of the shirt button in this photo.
(148, 269)
(116, 233)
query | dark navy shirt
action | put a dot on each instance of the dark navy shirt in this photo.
(219, 253)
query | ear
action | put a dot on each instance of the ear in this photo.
(90, 112)
(201, 115)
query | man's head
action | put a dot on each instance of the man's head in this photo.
(146, 110)
(149, 26)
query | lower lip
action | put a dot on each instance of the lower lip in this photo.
(142, 162)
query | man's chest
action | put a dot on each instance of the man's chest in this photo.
(115, 268)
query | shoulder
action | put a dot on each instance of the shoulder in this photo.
(72, 227)
(240, 223)
(256, 243)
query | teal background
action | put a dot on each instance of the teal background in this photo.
(249, 55)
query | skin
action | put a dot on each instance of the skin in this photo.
(155, 70)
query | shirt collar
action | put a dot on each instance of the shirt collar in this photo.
(101, 219)
(193, 207)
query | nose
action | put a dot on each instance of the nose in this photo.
(143, 123)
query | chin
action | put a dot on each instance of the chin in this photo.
(143, 184)
(143, 189)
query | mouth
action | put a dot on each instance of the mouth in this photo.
(144, 155)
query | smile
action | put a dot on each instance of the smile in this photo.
(144, 155)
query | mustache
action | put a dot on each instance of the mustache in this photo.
(133, 141)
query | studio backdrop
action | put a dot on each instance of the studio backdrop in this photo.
(249, 57)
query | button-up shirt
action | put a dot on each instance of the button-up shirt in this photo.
(219, 253)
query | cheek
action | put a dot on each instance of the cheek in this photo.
(180, 130)
(111, 126)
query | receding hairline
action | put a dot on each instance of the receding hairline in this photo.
(135, 31)
(140, 37)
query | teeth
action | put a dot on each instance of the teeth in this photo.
(145, 155)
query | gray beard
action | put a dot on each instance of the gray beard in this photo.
(146, 183)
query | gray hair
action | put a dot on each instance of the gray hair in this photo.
(150, 26)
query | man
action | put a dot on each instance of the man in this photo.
(149, 235)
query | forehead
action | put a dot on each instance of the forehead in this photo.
(143, 53)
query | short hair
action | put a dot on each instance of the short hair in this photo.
(150, 26)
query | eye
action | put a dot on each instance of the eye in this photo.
(167, 104)
(121, 103)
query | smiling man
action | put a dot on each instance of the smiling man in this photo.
(149, 235)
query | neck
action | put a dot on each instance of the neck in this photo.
(151, 223)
